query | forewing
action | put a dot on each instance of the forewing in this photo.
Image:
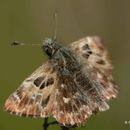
(91, 52)
(33, 96)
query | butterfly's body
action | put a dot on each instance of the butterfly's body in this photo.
(62, 58)
(73, 84)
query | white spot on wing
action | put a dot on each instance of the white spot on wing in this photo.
(62, 85)
(16, 96)
(66, 100)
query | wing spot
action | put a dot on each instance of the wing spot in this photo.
(85, 47)
(62, 85)
(42, 86)
(44, 102)
(90, 52)
(85, 55)
(102, 62)
(38, 81)
(50, 81)
(19, 93)
(66, 100)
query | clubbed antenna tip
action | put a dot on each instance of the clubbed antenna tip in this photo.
(15, 43)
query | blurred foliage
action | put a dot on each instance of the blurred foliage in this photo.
(32, 21)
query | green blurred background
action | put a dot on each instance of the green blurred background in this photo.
(31, 21)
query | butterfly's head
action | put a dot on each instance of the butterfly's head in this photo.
(50, 46)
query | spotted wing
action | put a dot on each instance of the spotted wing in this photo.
(33, 97)
(77, 99)
(91, 52)
(85, 91)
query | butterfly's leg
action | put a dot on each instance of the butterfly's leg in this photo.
(46, 124)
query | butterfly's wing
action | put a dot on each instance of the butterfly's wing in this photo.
(91, 52)
(33, 97)
(46, 93)
(85, 92)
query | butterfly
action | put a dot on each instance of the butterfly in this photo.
(75, 83)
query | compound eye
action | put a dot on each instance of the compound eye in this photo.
(48, 51)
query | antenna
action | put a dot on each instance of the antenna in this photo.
(55, 24)
(17, 43)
